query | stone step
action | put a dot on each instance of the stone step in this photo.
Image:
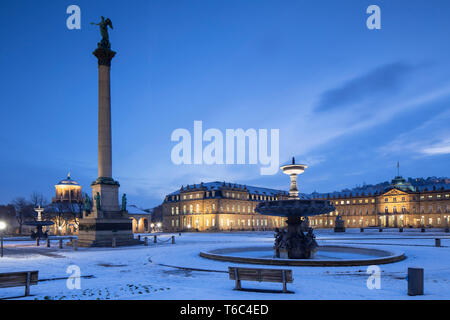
(107, 243)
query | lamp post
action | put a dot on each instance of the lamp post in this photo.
(2, 227)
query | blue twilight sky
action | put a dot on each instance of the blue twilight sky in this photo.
(348, 101)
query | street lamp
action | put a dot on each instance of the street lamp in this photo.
(2, 227)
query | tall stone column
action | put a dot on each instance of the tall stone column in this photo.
(104, 57)
(105, 187)
(105, 222)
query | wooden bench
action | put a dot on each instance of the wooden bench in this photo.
(261, 275)
(19, 279)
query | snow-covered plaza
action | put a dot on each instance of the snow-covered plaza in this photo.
(176, 271)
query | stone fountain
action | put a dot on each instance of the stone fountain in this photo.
(297, 241)
(39, 224)
(295, 245)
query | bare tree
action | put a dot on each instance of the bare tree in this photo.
(24, 211)
(63, 213)
(37, 199)
(76, 211)
(58, 211)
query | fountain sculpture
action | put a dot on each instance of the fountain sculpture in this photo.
(39, 223)
(297, 241)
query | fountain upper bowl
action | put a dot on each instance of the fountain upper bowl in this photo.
(295, 208)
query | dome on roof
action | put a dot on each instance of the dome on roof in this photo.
(68, 190)
(400, 183)
(68, 181)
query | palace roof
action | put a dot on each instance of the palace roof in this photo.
(217, 185)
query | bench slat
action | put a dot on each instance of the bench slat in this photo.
(261, 275)
(18, 279)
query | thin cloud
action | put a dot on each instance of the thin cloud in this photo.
(429, 139)
(377, 83)
(442, 147)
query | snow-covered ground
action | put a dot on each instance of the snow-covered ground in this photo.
(150, 272)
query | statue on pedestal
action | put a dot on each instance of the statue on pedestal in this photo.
(124, 202)
(103, 24)
(339, 224)
(87, 204)
(97, 201)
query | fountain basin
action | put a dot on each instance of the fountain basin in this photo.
(326, 256)
(295, 208)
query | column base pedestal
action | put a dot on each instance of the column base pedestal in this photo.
(100, 232)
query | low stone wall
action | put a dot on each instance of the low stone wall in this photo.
(380, 257)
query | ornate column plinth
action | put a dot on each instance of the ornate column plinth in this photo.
(106, 220)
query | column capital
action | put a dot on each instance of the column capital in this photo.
(104, 56)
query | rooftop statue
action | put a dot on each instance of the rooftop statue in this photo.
(124, 202)
(97, 201)
(87, 203)
(103, 24)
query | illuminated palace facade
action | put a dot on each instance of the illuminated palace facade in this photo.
(400, 205)
(219, 206)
